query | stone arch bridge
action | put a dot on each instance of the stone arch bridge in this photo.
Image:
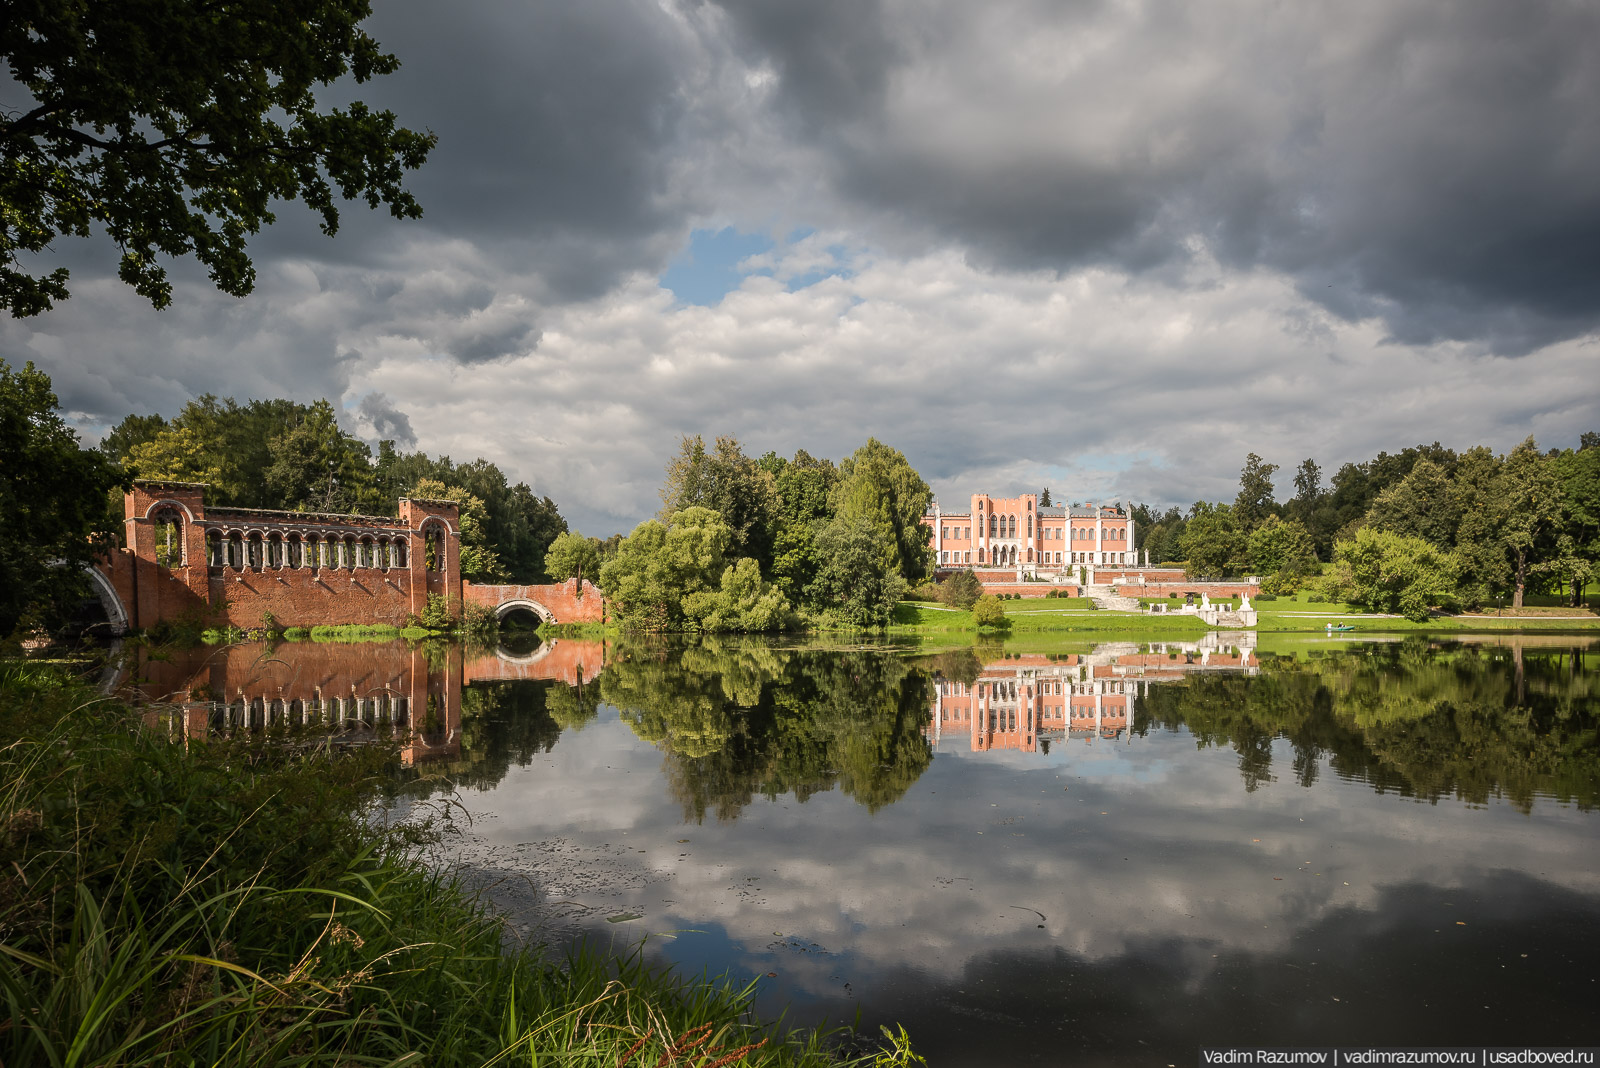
(571, 601)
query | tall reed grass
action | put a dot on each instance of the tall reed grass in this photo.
(231, 903)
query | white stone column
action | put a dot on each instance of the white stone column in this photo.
(1099, 535)
(1132, 555)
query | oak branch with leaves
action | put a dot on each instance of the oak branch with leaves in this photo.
(174, 126)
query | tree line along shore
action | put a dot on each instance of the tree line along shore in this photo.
(769, 543)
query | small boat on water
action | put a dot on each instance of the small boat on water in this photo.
(1341, 626)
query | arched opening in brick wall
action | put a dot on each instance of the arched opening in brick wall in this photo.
(167, 526)
(524, 610)
(433, 546)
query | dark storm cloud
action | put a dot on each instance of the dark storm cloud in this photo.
(1429, 163)
(481, 346)
(558, 128)
(387, 421)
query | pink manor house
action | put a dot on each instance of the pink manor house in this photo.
(1016, 532)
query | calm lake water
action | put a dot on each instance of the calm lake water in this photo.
(1025, 853)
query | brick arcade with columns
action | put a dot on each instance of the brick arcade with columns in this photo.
(241, 567)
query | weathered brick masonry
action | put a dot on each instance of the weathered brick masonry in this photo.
(246, 567)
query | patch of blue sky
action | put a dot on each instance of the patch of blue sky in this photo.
(709, 270)
(716, 262)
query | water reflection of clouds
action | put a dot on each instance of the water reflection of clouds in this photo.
(1119, 845)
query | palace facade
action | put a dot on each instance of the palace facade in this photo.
(1017, 532)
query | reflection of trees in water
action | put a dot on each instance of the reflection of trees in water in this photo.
(1412, 717)
(740, 718)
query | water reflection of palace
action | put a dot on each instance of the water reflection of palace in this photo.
(354, 689)
(1028, 701)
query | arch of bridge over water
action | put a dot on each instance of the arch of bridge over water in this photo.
(572, 601)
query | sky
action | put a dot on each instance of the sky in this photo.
(1105, 247)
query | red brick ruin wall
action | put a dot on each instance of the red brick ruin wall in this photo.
(243, 592)
(244, 587)
(569, 601)
(1211, 589)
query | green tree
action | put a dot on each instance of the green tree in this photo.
(572, 556)
(961, 590)
(747, 603)
(879, 485)
(1158, 533)
(639, 582)
(317, 467)
(668, 574)
(478, 559)
(1578, 554)
(1044, 497)
(175, 127)
(1390, 572)
(859, 583)
(177, 454)
(1421, 505)
(1483, 570)
(52, 504)
(1312, 507)
(133, 430)
(989, 612)
(1255, 501)
(1531, 497)
(1212, 542)
(519, 525)
(804, 485)
(731, 484)
(1281, 550)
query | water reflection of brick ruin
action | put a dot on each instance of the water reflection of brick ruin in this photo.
(354, 691)
(1028, 701)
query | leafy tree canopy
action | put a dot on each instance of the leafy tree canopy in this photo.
(1212, 542)
(1281, 550)
(961, 590)
(878, 484)
(729, 483)
(859, 583)
(479, 561)
(52, 504)
(572, 555)
(678, 575)
(804, 488)
(1393, 573)
(287, 455)
(175, 126)
(989, 612)
(1255, 501)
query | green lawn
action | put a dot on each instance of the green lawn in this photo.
(1293, 615)
(1057, 615)
(1298, 614)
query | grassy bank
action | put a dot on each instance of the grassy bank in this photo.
(234, 903)
(1047, 616)
(1041, 616)
(1300, 614)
